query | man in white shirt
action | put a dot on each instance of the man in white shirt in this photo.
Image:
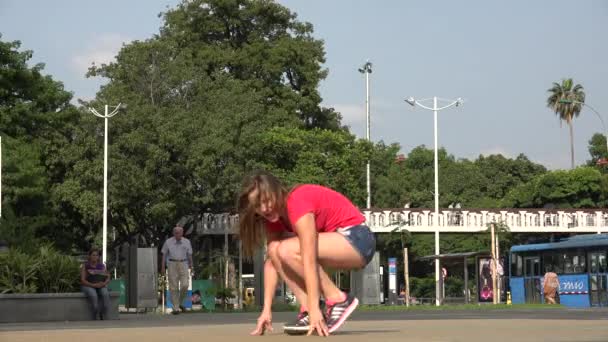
(178, 252)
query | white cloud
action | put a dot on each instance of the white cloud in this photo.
(497, 150)
(552, 161)
(351, 114)
(556, 162)
(354, 116)
(102, 49)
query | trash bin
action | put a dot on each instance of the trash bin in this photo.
(118, 285)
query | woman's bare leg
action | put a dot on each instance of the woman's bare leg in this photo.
(295, 284)
(333, 251)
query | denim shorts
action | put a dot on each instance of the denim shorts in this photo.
(362, 239)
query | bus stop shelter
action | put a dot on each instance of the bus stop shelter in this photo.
(456, 258)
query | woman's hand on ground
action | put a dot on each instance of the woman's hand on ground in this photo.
(317, 323)
(264, 322)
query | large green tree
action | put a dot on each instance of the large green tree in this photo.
(566, 100)
(202, 96)
(481, 183)
(332, 158)
(36, 122)
(583, 187)
(256, 41)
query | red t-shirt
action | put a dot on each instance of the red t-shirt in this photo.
(331, 209)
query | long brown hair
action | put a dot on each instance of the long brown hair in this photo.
(252, 227)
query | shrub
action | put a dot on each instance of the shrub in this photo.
(57, 273)
(46, 271)
(422, 287)
(425, 287)
(18, 272)
(454, 287)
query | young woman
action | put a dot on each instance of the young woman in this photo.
(306, 229)
(94, 279)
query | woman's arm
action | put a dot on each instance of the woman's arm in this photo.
(271, 276)
(271, 280)
(307, 234)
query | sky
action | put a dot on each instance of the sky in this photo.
(499, 56)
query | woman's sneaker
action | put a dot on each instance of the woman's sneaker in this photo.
(299, 326)
(337, 313)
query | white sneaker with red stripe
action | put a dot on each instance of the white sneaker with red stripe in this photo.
(299, 326)
(336, 314)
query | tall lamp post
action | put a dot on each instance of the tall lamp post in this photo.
(566, 101)
(413, 102)
(0, 176)
(367, 69)
(105, 116)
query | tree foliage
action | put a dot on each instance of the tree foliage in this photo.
(481, 183)
(225, 87)
(202, 97)
(598, 150)
(332, 158)
(36, 123)
(583, 187)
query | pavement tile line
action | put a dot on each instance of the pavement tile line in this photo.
(494, 330)
(429, 326)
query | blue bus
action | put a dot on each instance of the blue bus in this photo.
(579, 261)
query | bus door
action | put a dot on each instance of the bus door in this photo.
(598, 278)
(532, 275)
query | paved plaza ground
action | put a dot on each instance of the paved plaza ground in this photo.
(420, 325)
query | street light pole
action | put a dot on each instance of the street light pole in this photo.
(367, 69)
(436, 169)
(413, 102)
(0, 176)
(105, 116)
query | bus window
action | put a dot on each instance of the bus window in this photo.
(579, 263)
(553, 261)
(516, 265)
(548, 262)
(558, 263)
(574, 262)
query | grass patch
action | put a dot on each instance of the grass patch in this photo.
(457, 307)
(277, 307)
(291, 308)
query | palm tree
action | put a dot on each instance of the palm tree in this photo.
(567, 101)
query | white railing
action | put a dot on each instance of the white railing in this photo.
(475, 220)
(217, 223)
(452, 220)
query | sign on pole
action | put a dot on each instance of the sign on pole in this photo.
(485, 285)
(407, 277)
(392, 281)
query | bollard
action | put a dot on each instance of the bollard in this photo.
(508, 297)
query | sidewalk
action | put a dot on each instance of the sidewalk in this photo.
(357, 331)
